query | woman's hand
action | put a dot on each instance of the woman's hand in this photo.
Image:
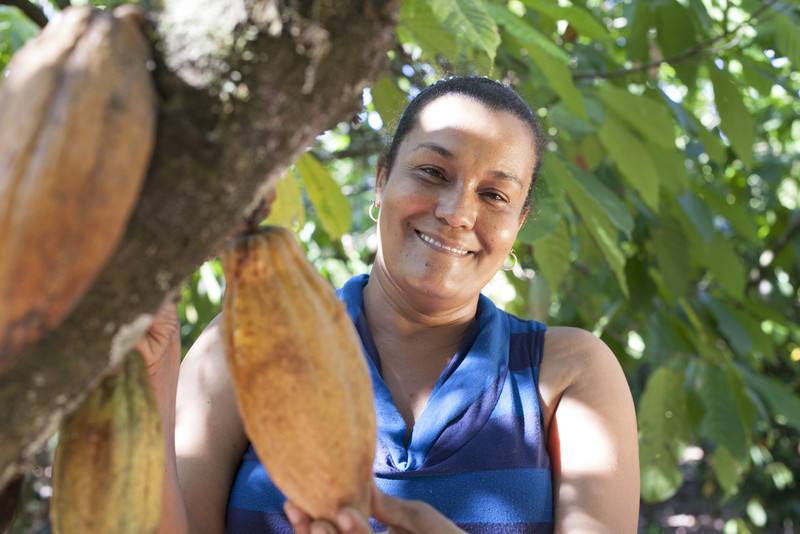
(401, 516)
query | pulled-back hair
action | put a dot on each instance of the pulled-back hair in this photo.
(492, 94)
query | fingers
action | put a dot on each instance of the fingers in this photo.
(302, 523)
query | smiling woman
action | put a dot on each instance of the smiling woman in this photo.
(486, 422)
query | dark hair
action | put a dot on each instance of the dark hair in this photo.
(492, 94)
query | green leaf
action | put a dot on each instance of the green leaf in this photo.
(519, 28)
(726, 265)
(784, 403)
(325, 194)
(698, 214)
(670, 246)
(543, 220)
(632, 158)
(581, 20)
(713, 145)
(726, 469)
(671, 165)
(722, 421)
(420, 27)
(736, 121)
(674, 29)
(470, 21)
(788, 39)
(388, 99)
(732, 330)
(559, 76)
(287, 210)
(552, 255)
(662, 434)
(614, 208)
(596, 222)
(736, 213)
(649, 117)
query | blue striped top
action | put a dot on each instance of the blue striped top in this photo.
(476, 453)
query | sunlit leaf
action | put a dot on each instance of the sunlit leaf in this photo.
(632, 158)
(737, 121)
(640, 113)
(722, 422)
(470, 21)
(581, 20)
(527, 34)
(325, 194)
(287, 209)
(388, 99)
(552, 255)
(788, 36)
(662, 434)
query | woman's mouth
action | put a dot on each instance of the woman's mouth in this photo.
(432, 241)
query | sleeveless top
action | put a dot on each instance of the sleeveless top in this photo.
(477, 453)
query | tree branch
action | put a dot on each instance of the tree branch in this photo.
(698, 49)
(29, 9)
(216, 152)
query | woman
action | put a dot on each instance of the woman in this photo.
(501, 425)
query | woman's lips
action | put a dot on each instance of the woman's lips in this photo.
(435, 243)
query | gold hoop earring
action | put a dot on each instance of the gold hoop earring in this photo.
(514, 256)
(369, 211)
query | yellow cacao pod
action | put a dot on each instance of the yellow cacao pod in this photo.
(302, 383)
(109, 462)
(77, 129)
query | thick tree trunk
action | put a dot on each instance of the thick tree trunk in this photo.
(245, 87)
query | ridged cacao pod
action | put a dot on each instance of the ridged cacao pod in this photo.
(77, 129)
(302, 383)
(109, 462)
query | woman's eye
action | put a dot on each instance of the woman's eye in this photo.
(431, 171)
(495, 196)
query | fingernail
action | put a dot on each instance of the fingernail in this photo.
(292, 513)
(345, 520)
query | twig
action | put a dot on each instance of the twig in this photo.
(677, 58)
(29, 9)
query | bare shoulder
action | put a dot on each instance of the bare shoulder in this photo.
(578, 362)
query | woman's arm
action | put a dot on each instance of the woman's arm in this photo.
(592, 435)
(204, 435)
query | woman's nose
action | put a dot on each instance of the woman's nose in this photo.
(456, 207)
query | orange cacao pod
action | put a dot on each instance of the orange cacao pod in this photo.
(302, 384)
(77, 128)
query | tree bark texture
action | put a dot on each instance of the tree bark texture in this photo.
(245, 86)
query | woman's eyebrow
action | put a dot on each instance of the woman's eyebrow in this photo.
(439, 149)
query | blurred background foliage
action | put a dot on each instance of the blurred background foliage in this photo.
(666, 219)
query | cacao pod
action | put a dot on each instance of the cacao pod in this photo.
(302, 384)
(77, 129)
(109, 462)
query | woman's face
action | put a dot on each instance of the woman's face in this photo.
(454, 202)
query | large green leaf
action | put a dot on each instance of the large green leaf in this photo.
(663, 434)
(722, 421)
(788, 39)
(581, 20)
(388, 99)
(670, 246)
(559, 76)
(470, 21)
(614, 208)
(726, 469)
(784, 403)
(643, 114)
(325, 194)
(597, 223)
(736, 120)
(699, 215)
(288, 209)
(726, 265)
(631, 156)
(730, 327)
(420, 27)
(552, 255)
(521, 30)
(675, 34)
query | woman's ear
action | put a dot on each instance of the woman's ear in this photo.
(380, 181)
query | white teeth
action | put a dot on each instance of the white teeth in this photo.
(432, 241)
